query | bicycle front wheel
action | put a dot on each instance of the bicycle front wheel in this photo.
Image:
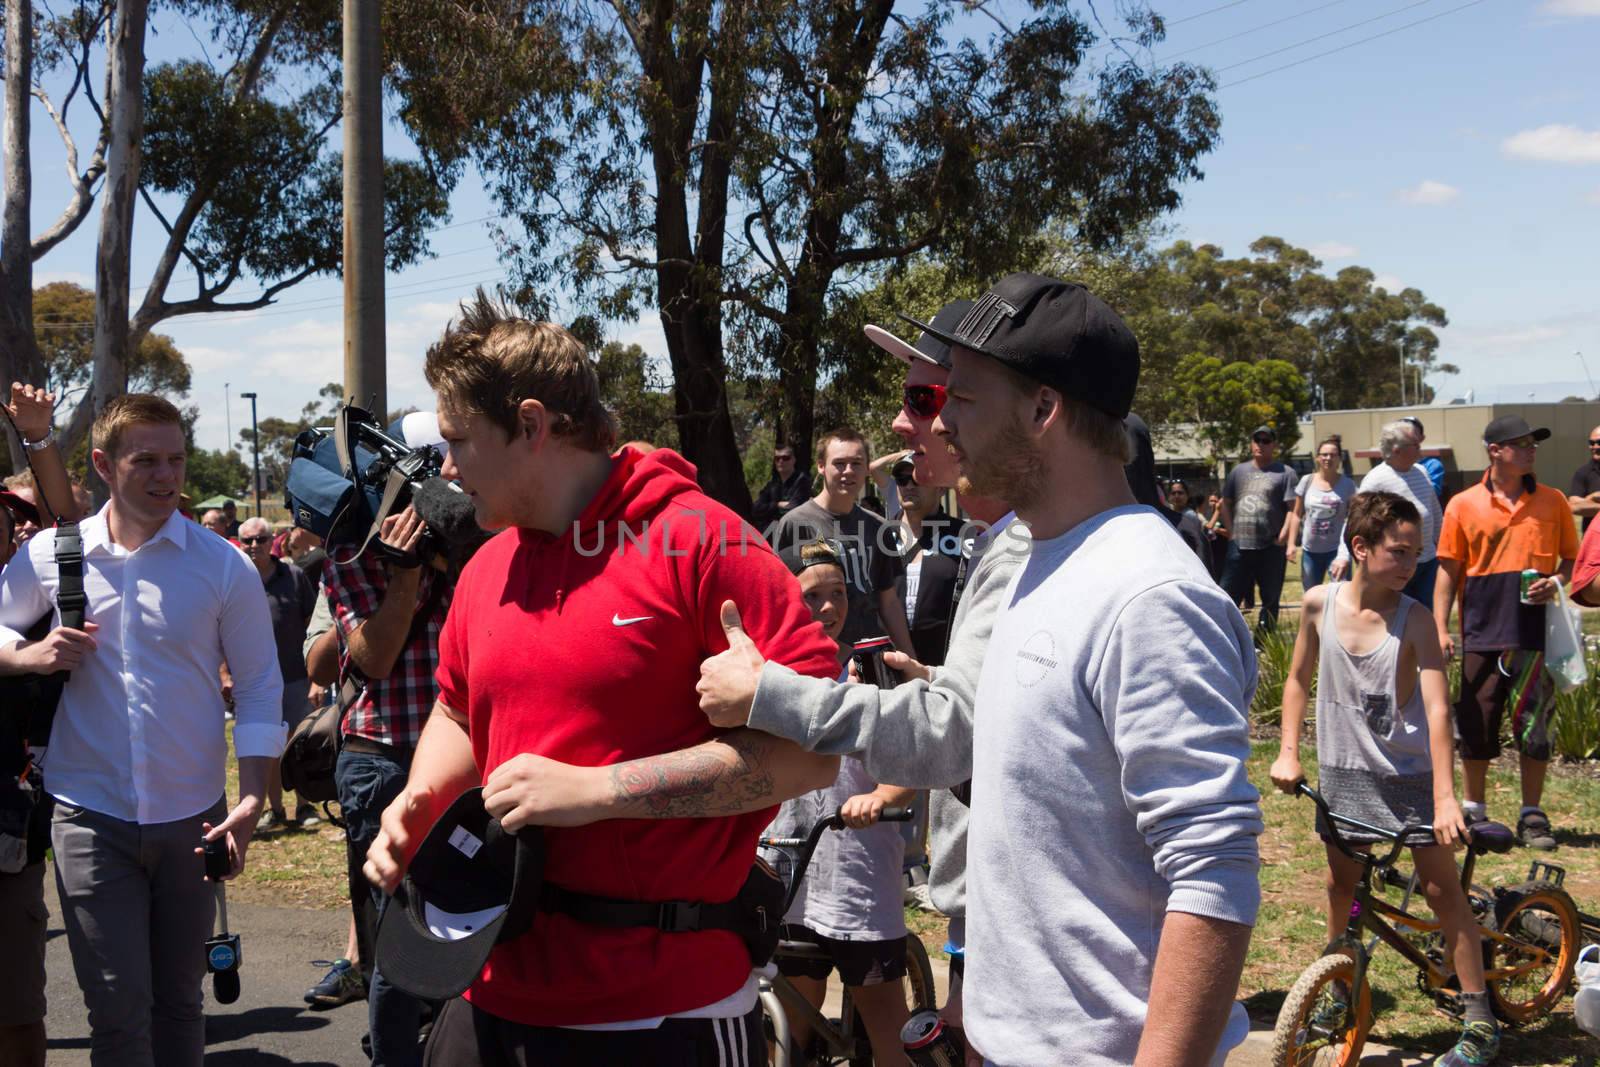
(1321, 1022)
(1531, 959)
(920, 992)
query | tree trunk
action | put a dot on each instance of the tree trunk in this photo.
(113, 258)
(691, 264)
(19, 352)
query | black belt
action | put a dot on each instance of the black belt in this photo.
(668, 916)
(367, 747)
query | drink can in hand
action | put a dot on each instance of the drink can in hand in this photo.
(929, 1043)
(1528, 578)
(868, 655)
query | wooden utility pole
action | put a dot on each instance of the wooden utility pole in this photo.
(364, 369)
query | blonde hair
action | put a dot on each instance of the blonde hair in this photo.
(491, 359)
(127, 410)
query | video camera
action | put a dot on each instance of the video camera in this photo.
(344, 481)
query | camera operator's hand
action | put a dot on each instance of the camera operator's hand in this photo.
(401, 828)
(62, 649)
(402, 532)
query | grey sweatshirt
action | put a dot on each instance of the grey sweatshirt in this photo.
(1109, 789)
(916, 734)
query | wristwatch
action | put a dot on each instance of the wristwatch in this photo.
(42, 443)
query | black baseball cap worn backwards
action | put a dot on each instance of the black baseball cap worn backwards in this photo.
(470, 886)
(1057, 333)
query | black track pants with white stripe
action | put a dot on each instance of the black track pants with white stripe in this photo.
(464, 1036)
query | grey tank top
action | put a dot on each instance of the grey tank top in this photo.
(1359, 725)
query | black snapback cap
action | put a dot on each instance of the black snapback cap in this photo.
(1057, 333)
(470, 886)
(930, 347)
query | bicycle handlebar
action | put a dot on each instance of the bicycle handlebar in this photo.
(808, 844)
(1331, 819)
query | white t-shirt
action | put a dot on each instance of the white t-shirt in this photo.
(1325, 512)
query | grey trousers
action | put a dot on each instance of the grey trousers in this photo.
(138, 910)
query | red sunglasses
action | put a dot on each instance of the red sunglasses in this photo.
(925, 401)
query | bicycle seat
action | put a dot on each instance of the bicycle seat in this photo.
(1491, 836)
(802, 950)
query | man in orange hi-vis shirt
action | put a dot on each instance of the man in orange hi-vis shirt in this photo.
(1492, 533)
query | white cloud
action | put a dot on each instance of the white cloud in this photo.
(1554, 143)
(1512, 338)
(1429, 193)
(1329, 250)
(1573, 8)
(1390, 282)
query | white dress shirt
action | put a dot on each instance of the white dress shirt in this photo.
(139, 734)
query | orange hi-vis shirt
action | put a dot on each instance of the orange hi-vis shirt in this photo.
(1494, 544)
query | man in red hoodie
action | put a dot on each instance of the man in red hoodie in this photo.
(577, 635)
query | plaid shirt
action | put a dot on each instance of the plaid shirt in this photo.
(389, 710)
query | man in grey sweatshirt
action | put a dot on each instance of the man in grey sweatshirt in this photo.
(1112, 860)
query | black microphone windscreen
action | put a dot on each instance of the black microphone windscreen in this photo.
(448, 512)
(225, 984)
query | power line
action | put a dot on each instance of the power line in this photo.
(1253, 29)
(1352, 44)
(1323, 36)
(1208, 11)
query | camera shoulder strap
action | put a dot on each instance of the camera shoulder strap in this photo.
(70, 597)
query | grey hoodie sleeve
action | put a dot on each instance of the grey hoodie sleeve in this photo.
(918, 734)
(1174, 688)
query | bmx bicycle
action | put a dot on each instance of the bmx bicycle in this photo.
(841, 1040)
(1531, 933)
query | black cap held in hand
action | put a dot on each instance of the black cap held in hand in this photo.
(1057, 333)
(470, 887)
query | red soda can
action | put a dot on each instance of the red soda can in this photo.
(929, 1043)
(868, 655)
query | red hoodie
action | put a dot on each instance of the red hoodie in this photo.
(573, 649)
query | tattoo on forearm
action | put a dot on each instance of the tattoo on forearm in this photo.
(724, 777)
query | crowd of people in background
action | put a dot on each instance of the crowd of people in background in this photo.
(1022, 529)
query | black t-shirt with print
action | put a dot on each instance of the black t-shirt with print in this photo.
(871, 557)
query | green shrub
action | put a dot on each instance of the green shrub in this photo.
(1575, 731)
(1274, 654)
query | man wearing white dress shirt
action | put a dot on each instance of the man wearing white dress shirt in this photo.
(137, 754)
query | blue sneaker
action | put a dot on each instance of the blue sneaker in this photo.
(342, 984)
(1479, 1045)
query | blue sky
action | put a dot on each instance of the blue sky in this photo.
(1460, 155)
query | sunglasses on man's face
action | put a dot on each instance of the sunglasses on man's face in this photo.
(263, 539)
(905, 478)
(1593, 443)
(924, 401)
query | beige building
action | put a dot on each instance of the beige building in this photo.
(1455, 435)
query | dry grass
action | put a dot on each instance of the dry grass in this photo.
(306, 869)
(1290, 931)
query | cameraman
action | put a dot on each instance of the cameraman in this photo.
(388, 608)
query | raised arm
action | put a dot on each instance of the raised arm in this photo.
(1286, 769)
(32, 410)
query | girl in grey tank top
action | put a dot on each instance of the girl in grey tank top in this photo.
(1372, 751)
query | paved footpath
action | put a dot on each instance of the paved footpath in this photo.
(269, 1025)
